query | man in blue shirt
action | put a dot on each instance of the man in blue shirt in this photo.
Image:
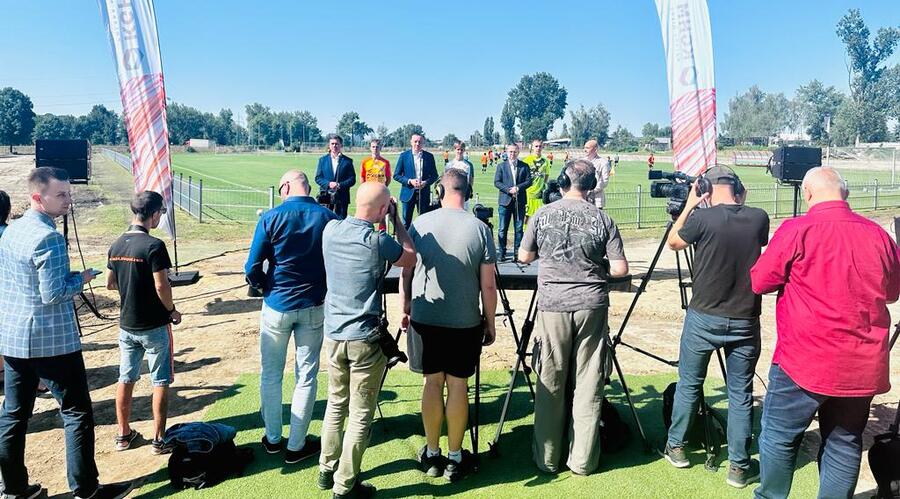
(355, 257)
(39, 340)
(289, 240)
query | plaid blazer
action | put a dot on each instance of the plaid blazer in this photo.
(37, 318)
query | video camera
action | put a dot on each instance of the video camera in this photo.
(326, 198)
(483, 213)
(675, 186)
(388, 344)
(551, 192)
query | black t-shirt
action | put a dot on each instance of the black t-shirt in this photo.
(134, 257)
(729, 239)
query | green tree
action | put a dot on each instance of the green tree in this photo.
(508, 123)
(622, 140)
(381, 132)
(16, 117)
(815, 102)
(537, 101)
(353, 128)
(261, 128)
(587, 124)
(649, 132)
(100, 126)
(449, 140)
(488, 128)
(476, 139)
(400, 136)
(55, 127)
(756, 114)
(868, 89)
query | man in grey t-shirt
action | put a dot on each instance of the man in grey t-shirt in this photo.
(355, 260)
(579, 247)
(440, 298)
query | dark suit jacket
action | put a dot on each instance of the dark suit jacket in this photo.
(346, 176)
(405, 169)
(503, 181)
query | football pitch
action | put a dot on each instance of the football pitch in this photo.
(237, 186)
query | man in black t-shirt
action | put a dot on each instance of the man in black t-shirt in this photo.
(723, 313)
(138, 267)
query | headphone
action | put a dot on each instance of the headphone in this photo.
(440, 190)
(565, 182)
(704, 184)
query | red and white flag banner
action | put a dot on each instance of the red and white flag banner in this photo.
(132, 34)
(687, 40)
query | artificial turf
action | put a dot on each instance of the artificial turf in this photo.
(390, 464)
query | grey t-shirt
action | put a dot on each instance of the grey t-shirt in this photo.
(355, 257)
(452, 245)
(574, 241)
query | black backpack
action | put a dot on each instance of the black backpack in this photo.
(710, 436)
(614, 433)
(884, 459)
(204, 469)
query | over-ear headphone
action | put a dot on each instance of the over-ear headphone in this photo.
(441, 191)
(566, 183)
(704, 184)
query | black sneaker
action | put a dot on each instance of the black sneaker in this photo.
(457, 471)
(272, 448)
(360, 490)
(309, 449)
(739, 477)
(110, 491)
(161, 447)
(30, 492)
(326, 480)
(676, 456)
(123, 442)
(431, 466)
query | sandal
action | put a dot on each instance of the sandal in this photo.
(123, 442)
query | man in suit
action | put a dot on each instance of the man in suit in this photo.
(335, 173)
(415, 172)
(511, 179)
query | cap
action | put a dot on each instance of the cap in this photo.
(721, 175)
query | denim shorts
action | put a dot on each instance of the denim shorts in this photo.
(157, 343)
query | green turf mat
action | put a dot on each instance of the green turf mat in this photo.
(390, 465)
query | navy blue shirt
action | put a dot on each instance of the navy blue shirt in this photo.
(289, 237)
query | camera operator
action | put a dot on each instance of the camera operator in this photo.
(723, 313)
(355, 259)
(579, 247)
(441, 297)
(835, 272)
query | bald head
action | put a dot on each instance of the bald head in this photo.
(293, 183)
(822, 184)
(372, 199)
(590, 148)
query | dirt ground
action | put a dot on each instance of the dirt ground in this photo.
(217, 342)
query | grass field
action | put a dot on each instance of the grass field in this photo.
(226, 177)
(390, 465)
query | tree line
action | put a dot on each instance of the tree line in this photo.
(531, 109)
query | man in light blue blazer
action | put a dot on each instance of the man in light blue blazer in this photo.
(336, 175)
(511, 179)
(415, 172)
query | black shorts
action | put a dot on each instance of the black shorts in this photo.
(453, 351)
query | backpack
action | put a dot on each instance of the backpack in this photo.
(884, 459)
(707, 428)
(204, 469)
(614, 433)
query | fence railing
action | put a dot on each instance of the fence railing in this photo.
(632, 208)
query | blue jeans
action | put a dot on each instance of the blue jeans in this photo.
(517, 213)
(275, 330)
(66, 378)
(701, 336)
(157, 344)
(787, 412)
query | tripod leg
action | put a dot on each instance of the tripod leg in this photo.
(507, 399)
(722, 365)
(475, 425)
(711, 453)
(634, 414)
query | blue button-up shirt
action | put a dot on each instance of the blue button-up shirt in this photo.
(289, 237)
(37, 318)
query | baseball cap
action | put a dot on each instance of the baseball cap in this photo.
(721, 175)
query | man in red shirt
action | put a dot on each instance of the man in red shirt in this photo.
(835, 272)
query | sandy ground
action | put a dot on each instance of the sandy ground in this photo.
(217, 342)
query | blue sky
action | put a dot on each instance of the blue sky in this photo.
(444, 65)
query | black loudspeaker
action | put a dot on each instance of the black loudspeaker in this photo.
(897, 229)
(73, 156)
(790, 164)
